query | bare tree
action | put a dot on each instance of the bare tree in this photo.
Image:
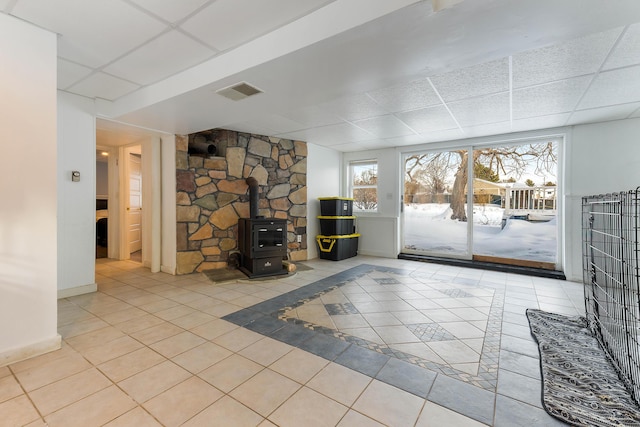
(431, 170)
(502, 160)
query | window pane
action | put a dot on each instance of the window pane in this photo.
(365, 198)
(364, 182)
(365, 174)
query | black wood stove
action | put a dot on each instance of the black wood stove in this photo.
(262, 241)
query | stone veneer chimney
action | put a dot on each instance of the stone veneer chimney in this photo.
(212, 195)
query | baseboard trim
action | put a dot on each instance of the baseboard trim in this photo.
(168, 269)
(29, 351)
(78, 290)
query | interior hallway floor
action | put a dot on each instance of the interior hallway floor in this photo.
(361, 342)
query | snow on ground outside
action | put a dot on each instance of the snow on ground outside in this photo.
(428, 227)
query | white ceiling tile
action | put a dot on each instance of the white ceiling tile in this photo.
(483, 79)
(248, 127)
(627, 52)
(410, 96)
(349, 147)
(149, 63)
(428, 119)
(96, 32)
(4, 4)
(101, 85)
(442, 135)
(69, 73)
(229, 23)
(354, 107)
(374, 144)
(384, 126)
(543, 122)
(171, 10)
(603, 114)
(635, 114)
(561, 61)
(488, 129)
(312, 116)
(613, 87)
(330, 135)
(405, 140)
(481, 110)
(551, 98)
(274, 123)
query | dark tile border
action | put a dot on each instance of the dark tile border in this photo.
(402, 370)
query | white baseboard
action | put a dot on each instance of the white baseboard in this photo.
(29, 351)
(78, 290)
(168, 269)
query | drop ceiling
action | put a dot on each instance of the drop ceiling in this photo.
(348, 74)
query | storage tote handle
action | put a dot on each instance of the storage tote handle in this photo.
(320, 240)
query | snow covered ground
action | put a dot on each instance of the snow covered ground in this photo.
(428, 227)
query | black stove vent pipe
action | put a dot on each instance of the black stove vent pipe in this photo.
(253, 196)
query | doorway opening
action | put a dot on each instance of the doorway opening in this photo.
(492, 204)
(133, 187)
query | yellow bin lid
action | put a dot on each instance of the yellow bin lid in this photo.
(335, 198)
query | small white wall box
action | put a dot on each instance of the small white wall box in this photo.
(75, 176)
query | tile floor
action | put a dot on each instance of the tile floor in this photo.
(361, 342)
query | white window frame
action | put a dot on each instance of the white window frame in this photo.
(351, 187)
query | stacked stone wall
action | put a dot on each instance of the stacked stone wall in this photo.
(212, 195)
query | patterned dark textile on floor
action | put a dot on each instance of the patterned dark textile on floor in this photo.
(579, 384)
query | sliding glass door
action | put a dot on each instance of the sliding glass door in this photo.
(435, 206)
(494, 203)
(515, 204)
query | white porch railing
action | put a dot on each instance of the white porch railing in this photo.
(531, 200)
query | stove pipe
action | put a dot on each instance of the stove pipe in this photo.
(253, 196)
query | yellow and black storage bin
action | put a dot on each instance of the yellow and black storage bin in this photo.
(338, 247)
(336, 206)
(334, 225)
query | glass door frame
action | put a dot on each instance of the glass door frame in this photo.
(468, 254)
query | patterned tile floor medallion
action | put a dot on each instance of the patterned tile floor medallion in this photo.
(392, 313)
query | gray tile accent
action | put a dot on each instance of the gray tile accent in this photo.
(428, 332)
(463, 398)
(520, 387)
(387, 281)
(516, 362)
(362, 360)
(266, 317)
(407, 376)
(510, 412)
(341, 308)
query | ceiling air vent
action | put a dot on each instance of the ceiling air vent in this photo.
(239, 91)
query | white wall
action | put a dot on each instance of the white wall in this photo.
(379, 230)
(168, 219)
(28, 226)
(76, 200)
(324, 170)
(602, 158)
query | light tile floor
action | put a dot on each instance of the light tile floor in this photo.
(399, 343)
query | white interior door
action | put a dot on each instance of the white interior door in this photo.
(134, 210)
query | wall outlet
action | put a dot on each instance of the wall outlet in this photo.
(299, 238)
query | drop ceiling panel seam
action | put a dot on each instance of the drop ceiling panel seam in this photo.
(444, 104)
(597, 73)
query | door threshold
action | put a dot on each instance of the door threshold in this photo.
(484, 265)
